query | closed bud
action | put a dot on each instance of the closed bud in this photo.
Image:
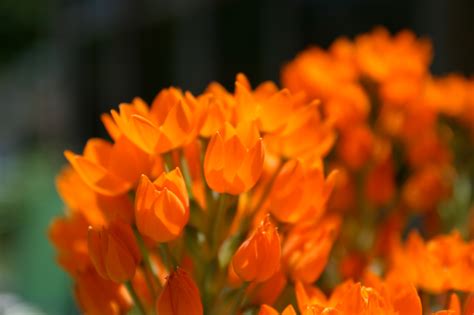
(258, 258)
(114, 251)
(234, 159)
(180, 296)
(162, 207)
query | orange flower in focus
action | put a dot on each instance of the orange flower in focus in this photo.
(268, 310)
(174, 119)
(300, 192)
(114, 251)
(234, 159)
(162, 207)
(258, 258)
(98, 296)
(180, 296)
(102, 165)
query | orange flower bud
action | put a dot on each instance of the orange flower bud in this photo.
(234, 159)
(114, 251)
(162, 207)
(180, 296)
(258, 258)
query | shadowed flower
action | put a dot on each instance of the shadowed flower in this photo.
(258, 258)
(114, 251)
(98, 296)
(180, 296)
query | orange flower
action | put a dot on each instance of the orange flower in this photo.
(102, 165)
(174, 119)
(380, 182)
(306, 249)
(443, 263)
(426, 188)
(98, 296)
(355, 299)
(300, 192)
(268, 310)
(258, 258)
(356, 146)
(162, 207)
(234, 159)
(305, 135)
(180, 296)
(267, 106)
(69, 237)
(267, 292)
(114, 251)
(97, 208)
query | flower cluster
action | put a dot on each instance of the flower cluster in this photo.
(266, 199)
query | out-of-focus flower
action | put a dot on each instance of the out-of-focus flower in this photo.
(234, 159)
(69, 236)
(114, 251)
(97, 295)
(300, 192)
(258, 258)
(267, 106)
(97, 208)
(162, 207)
(444, 263)
(101, 165)
(305, 135)
(180, 296)
(306, 248)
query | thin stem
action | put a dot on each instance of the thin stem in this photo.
(168, 161)
(186, 173)
(218, 223)
(239, 299)
(148, 267)
(135, 298)
(168, 258)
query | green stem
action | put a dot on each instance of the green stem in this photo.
(168, 258)
(148, 267)
(186, 173)
(239, 299)
(135, 298)
(218, 223)
(168, 160)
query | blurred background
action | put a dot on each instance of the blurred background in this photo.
(62, 63)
